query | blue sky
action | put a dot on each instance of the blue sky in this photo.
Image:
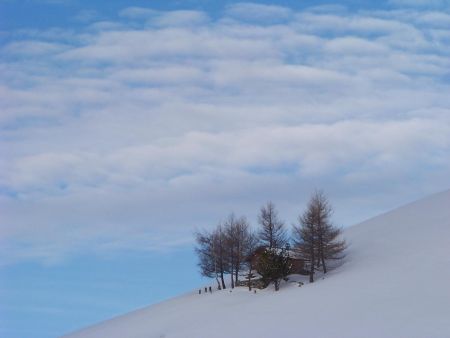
(126, 125)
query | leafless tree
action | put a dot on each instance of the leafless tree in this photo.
(230, 243)
(225, 249)
(205, 254)
(316, 238)
(272, 232)
(219, 243)
(305, 240)
(330, 245)
(238, 240)
(210, 249)
(252, 244)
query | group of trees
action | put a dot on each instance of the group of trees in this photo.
(225, 249)
(228, 249)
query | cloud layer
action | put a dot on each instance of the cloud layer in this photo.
(130, 133)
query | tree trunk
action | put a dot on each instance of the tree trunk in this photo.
(311, 268)
(232, 278)
(217, 280)
(321, 257)
(249, 278)
(323, 264)
(222, 280)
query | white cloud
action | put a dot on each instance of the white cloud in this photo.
(170, 18)
(258, 12)
(436, 19)
(138, 12)
(420, 3)
(181, 18)
(356, 46)
(128, 135)
(86, 15)
(33, 48)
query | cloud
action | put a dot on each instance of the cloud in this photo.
(138, 13)
(86, 15)
(56, 2)
(165, 18)
(437, 19)
(420, 3)
(181, 18)
(258, 13)
(129, 133)
(355, 46)
(33, 48)
(137, 45)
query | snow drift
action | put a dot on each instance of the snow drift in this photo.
(395, 283)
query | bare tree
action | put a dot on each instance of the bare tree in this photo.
(228, 249)
(210, 250)
(204, 245)
(272, 231)
(330, 245)
(304, 237)
(219, 253)
(230, 246)
(316, 238)
(238, 239)
(252, 244)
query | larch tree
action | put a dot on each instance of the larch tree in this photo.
(304, 238)
(204, 250)
(330, 246)
(210, 249)
(252, 244)
(238, 240)
(272, 231)
(219, 243)
(230, 243)
(316, 238)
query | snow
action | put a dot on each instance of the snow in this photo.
(395, 283)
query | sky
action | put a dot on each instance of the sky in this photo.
(127, 125)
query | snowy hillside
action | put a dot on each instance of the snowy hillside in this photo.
(395, 283)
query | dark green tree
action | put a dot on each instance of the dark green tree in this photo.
(273, 265)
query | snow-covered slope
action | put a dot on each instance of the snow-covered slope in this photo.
(395, 283)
